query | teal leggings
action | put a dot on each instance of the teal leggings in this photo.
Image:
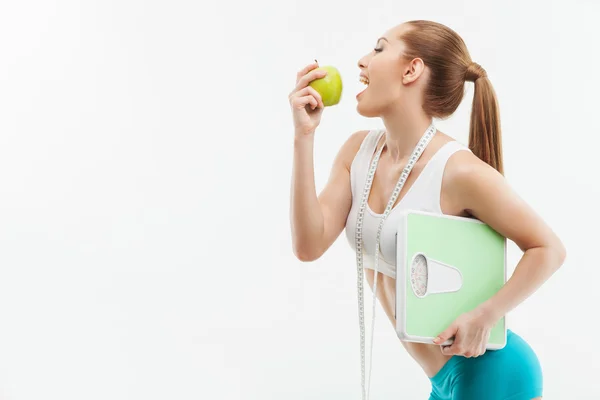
(511, 373)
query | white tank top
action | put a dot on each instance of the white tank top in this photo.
(423, 195)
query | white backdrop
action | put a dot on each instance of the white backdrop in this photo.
(145, 164)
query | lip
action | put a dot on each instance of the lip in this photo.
(361, 92)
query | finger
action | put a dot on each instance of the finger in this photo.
(309, 91)
(445, 335)
(306, 70)
(309, 77)
(300, 102)
(313, 103)
(484, 345)
(453, 350)
(303, 101)
(479, 344)
(460, 346)
(456, 348)
(471, 345)
(481, 347)
(482, 350)
(316, 95)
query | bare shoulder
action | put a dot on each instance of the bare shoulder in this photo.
(464, 167)
(465, 176)
(471, 186)
(335, 199)
(351, 146)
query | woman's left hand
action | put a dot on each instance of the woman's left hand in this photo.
(471, 332)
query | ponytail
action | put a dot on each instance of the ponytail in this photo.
(485, 139)
(446, 55)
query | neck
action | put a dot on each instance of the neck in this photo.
(403, 132)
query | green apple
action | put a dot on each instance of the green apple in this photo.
(329, 87)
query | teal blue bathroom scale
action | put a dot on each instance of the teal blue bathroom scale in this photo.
(446, 266)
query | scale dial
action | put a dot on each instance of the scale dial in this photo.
(418, 275)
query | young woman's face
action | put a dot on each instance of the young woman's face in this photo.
(384, 68)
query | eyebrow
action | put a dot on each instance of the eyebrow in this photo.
(382, 38)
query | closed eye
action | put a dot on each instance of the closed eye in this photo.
(377, 50)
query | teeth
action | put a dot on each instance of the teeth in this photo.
(364, 80)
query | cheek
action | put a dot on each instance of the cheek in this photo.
(384, 68)
(385, 91)
(386, 82)
(385, 87)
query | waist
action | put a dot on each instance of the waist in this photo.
(428, 356)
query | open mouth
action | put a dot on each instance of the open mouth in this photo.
(365, 81)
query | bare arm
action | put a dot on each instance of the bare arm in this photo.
(484, 193)
(477, 189)
(317, 221)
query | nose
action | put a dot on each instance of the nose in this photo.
(362, 63)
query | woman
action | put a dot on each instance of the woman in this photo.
(417, 72)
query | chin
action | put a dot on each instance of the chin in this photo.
(366, 111)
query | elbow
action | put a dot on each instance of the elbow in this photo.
(305, 257)
(305, 254)
(561, 253)
(558, 253)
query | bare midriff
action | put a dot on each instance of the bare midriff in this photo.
(428, 356)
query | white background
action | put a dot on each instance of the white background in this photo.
(145, 164)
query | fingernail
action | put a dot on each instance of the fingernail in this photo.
(437, 339)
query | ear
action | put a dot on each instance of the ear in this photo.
(413, 70)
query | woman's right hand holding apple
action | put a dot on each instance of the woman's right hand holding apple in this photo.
(306, 103)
